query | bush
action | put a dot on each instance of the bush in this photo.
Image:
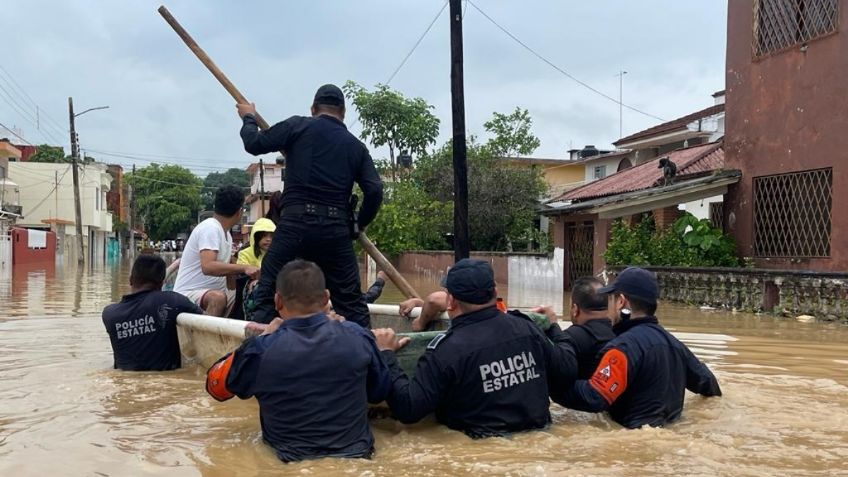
(688, 243)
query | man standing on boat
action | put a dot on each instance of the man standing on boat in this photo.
(323, 161)
(489, 374)
(645, 371)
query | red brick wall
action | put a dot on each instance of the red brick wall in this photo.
(664, 218)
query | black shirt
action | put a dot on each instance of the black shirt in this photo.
(143, 329)
(313, 378)
(323, 160)
(487, 376)
(588, 340)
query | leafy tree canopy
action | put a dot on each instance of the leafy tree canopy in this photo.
(167, 199)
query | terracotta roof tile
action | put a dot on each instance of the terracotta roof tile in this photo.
(671, 126)
(691, 161)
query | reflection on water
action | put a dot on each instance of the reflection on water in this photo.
(64, 412)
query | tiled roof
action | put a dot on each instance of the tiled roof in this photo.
(678, 124)
(690, 161)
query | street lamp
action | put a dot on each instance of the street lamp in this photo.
(75, 159)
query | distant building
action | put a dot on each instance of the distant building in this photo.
(787, 117)
(47, 201)
(257, 201)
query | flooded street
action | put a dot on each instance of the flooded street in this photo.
(66, 412)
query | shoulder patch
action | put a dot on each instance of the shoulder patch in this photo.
(435, 341)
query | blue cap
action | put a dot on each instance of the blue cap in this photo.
(637, 283)
(471, 281)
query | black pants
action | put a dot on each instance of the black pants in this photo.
(326, 242)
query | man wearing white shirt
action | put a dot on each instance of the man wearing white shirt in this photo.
(205, 263)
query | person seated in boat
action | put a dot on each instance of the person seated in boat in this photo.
(205, 263)
(312, 376)
(591, 327)
(488, 374)
(143, 326)
(645, 371)
(261, 234)
(432, 307)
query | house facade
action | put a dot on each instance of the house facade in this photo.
(265, 179)
(47, 202)
(787, 113)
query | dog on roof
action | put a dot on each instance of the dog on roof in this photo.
(669, 170)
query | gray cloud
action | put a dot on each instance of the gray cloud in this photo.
(164, 102)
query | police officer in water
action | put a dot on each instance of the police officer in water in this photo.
(489, 374)
(323, 161)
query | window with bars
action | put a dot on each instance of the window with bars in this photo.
(717, 215)
(600, 172)
(792, 214)
(781, 24)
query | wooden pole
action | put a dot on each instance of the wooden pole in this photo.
(262, 186)
(461, 245)
(75, 165)
(201, 55)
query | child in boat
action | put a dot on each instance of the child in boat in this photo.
(261, 235)
(143, 326)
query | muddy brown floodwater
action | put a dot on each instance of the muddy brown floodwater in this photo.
(63, 411)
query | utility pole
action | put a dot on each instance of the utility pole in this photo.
(56, 198)
(461, 246)
(75, 158)
(262, 187)
(621, 74)
(131, 214)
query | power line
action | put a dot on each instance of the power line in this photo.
(418, 42)
(25, 114)
(157, 161)
(56, 124)
(552, 65)
(15, 134)
(411, 51)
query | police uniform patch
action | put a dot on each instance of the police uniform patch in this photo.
(435, 341)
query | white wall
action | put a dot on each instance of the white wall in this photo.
(612, 167)
(701, 208)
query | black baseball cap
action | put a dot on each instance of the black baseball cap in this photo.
(471, 281)
(329, 94)
(637, 283)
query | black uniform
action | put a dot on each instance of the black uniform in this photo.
(323, 161)
(642, 377)
(487, 376)
(143, 329)
(313, 378)
(588, 340)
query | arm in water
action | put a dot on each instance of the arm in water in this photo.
(699, 378)
(235, 373)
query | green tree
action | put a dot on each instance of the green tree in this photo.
(503, 201)
(232, 176)
(512, 134)
(47, 153)
(390, 119)
(167, 199)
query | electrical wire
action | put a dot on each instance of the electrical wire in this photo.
(15, 134)
(26, 115)
(55, 124)
(552, 65)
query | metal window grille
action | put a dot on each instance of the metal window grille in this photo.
(580, 248)
(792, 214)
(781, 24)
(717, 214)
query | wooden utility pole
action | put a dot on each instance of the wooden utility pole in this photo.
(131, 212)
(461, 246)
(262, 186)
(75, 159)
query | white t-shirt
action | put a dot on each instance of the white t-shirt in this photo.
(208, 235)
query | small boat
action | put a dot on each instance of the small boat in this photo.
(204, 339)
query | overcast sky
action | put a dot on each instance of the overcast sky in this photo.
(163, 102)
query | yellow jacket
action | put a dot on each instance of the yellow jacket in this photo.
(247, 256)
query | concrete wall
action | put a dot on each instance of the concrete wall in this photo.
(563, 178)
(23, 253)
(786, 112)
(786, 292)
(701, 208)
(612, 167)
(436, 263)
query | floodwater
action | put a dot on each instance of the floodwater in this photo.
(64, 412)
